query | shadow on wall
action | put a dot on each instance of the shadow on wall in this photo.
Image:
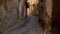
(56, 17)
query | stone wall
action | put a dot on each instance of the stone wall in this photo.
(45, 14)
(8, 14)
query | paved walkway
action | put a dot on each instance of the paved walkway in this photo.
(29, 26)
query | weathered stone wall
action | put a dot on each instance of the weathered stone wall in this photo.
(8, 14)
(45, 14)
(22, 9)
(48, 16)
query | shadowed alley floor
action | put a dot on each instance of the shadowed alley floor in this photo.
(29, 26)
